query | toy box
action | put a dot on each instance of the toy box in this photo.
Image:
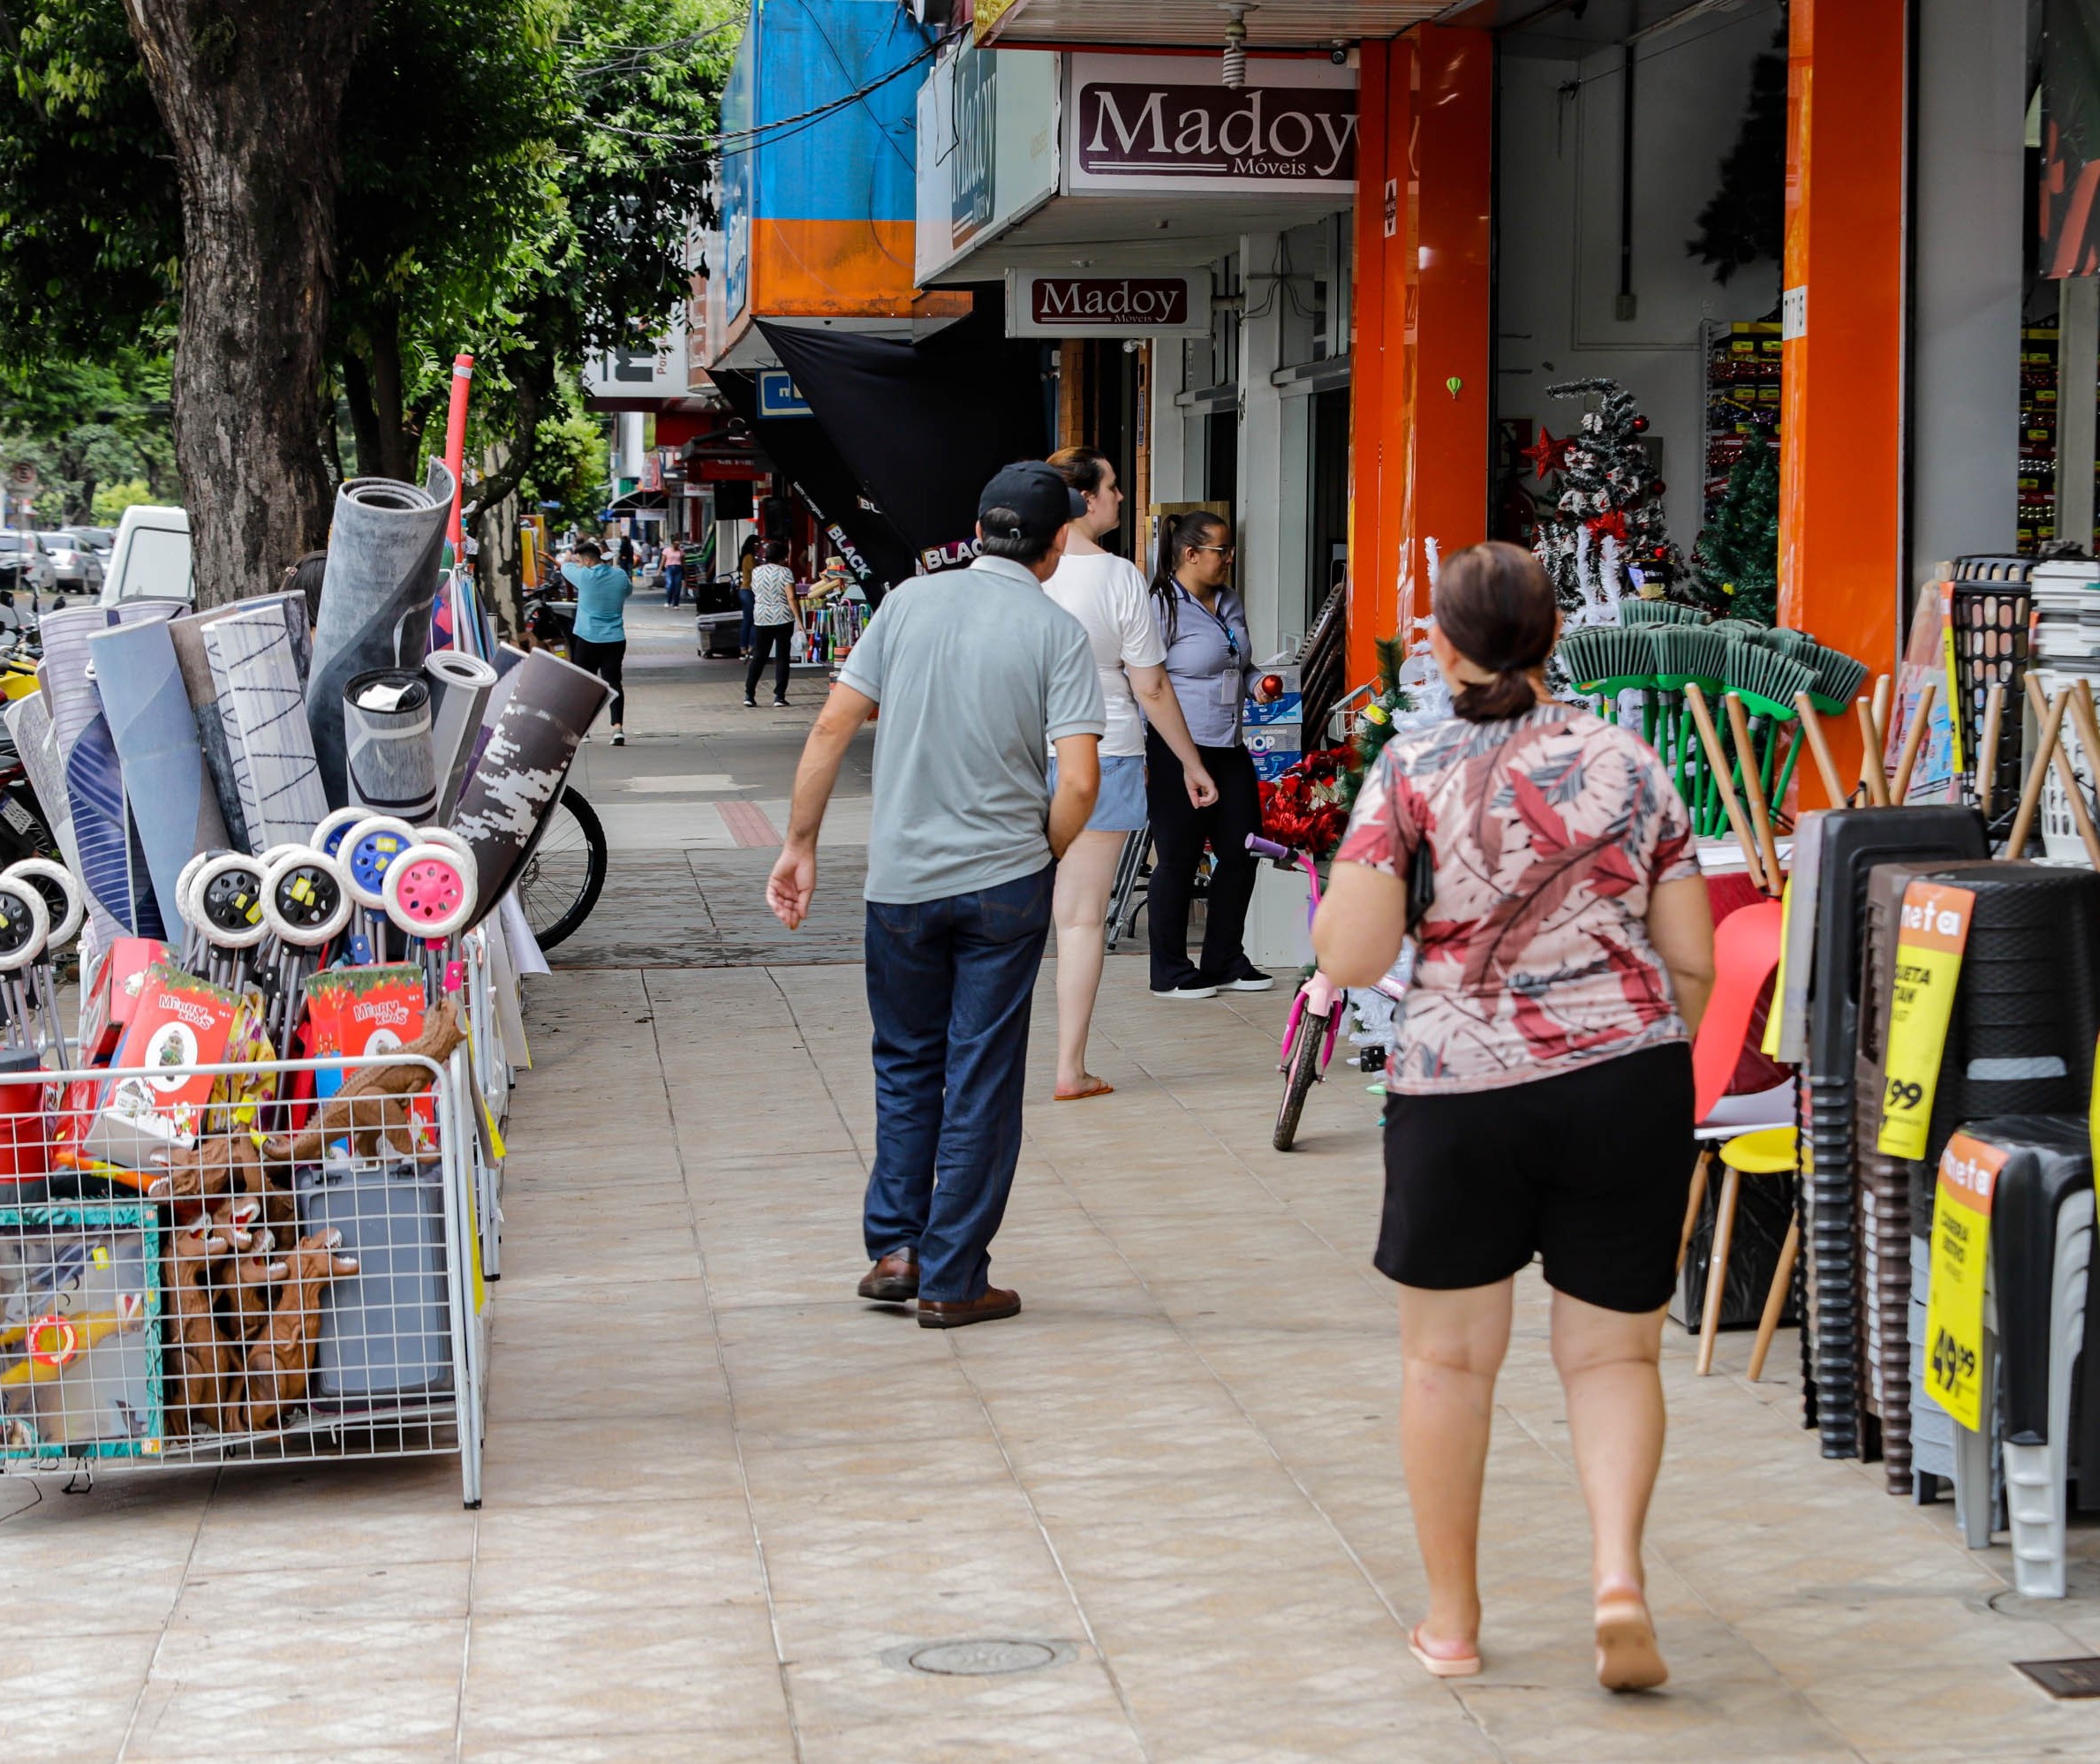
(147, 1109)
(113, 995)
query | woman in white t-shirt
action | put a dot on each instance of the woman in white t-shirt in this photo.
(1108, 594)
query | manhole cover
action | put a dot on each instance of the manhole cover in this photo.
(983, 1659)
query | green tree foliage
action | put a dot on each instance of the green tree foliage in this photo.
(1739, 552)
(520, 179)
(86, 424)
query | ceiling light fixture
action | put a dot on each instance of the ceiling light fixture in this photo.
(1235, 45)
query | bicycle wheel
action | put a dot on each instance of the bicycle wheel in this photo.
(1304, 1072)
(562, 879)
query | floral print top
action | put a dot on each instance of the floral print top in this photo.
(1548, 831)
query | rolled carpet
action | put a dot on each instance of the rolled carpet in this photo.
(209, 713)
(167, 791)
(255, 666)
(376, 590)
(386, 744)
(459, 688)
(513, 786)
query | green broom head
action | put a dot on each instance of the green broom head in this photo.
(1767, 680)
(1634, 611)
(1685, 653)
(1737, 631)
(1799, 645)
(1607, 659)
(1838, 678)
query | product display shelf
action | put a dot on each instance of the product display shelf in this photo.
(1739, 396)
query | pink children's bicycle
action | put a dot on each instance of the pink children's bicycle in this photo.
(1316, 1011)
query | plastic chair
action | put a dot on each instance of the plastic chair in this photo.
(1755, 1134)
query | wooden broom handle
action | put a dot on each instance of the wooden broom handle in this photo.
(1718, 761)
(1994, 718)
(1872, 775)
(2030, 790)
(1753, 787)
(1811, 728)
(1914, 738)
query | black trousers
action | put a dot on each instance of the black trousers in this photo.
(603, 659)
(1179, 831)
(764, 637)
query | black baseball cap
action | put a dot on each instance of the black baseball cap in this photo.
(1037, 491)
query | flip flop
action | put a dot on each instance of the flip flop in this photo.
(1100, 1087)
(1627, 1658)
(1443, 1666)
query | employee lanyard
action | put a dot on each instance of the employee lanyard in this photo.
(1231, 643)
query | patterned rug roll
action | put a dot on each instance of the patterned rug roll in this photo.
(255, 666)
(167, 791)
(187, 634)
(386, 744)
(29, 727)
(460, 687)
(376, 592)
(513, 785)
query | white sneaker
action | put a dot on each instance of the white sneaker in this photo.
(1198, 988)
(1252, 981)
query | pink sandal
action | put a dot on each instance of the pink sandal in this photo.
(1443, 1665)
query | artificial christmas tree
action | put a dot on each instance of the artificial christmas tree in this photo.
(1738, 552)
(1746, 220)
(1606, 537)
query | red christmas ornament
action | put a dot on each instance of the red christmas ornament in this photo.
(1613, 524)
(1640, 426)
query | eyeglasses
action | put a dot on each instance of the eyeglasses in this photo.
(1222, 550)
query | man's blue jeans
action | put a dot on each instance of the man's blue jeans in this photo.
(950, 985)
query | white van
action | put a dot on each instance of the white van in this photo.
(151, 558)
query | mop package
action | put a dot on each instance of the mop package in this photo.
(113, 995)
(148, 1105)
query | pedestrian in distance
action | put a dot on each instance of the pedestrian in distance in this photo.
(674, 573)
(599, 641)
(1203, 626)
(747, 565)
(775, 617)
(1540, 1090)
(977, 672)
(626, 553)
(1106, 594)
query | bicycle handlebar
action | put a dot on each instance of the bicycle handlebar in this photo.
(1268, 848)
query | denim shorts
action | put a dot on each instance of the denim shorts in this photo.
(1120, 808)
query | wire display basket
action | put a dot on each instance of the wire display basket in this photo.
(289, 1269)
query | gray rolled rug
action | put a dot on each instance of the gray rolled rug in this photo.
(254, 656)
(376, 592)
(387, 748)
(522, 767)
(459, 688)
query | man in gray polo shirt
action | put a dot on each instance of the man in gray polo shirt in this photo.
(976, 670)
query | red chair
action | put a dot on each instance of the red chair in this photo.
(1753, 1132)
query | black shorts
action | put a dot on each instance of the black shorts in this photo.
(1590, 1171)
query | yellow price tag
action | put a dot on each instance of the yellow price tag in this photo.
(1770, 1045)
(1954, 685)
(1968, 1172)
(1929, 944)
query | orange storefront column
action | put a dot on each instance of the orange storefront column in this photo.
(1420, 451)
(1841, 445)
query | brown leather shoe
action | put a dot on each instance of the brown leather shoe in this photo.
(993, 1303)
(893, 1279)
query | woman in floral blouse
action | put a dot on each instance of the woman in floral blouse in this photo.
(1539, 1096)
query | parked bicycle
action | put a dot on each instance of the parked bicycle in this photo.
(1315, 1012)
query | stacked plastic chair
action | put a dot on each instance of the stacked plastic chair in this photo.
(2043, 1342)
(1853, 840)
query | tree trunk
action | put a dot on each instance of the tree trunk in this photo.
(364, 419)
(251, 93)
(396, 439)
(503, 563)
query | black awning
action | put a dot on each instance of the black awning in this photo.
(800, 447)
(923, 424)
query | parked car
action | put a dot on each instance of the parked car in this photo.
(151, 558)
(97, 540)
(79, 571)
(33, 564)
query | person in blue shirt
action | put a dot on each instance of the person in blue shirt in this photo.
(599, 643)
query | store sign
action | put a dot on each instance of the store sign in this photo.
(1141, 123)
(987, 150)
(642, 370)
(1042, 304)
(971, 201)
(779, 395)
